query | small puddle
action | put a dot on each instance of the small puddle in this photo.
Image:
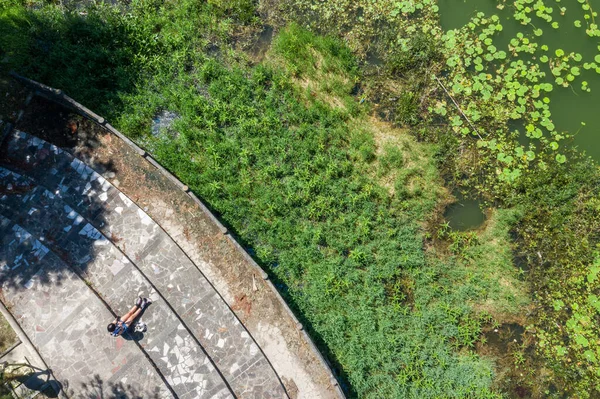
(500, 339)
(163, 122)
(374, 58)
(262, 44)
(465, 213)
(505, 344)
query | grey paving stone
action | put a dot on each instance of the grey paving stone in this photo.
(60, 313)
(117, 281)
(163, 263)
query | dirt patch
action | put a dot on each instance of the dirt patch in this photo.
(386, 135)
(321, 85)
(409, 167)
(242, 304)
(292, 389)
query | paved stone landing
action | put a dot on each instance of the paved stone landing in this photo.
(110, 274)
(121, 250)
(60, 315)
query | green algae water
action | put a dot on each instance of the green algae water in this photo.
(465, 214)
(571, 105)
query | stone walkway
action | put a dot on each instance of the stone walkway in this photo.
(60, 314)
(187, 369)
(99, 244)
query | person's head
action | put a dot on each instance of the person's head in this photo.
(111, 327)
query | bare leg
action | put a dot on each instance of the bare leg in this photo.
(131, 317)
(128, 314)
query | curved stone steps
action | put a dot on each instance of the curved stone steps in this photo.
(59, 313)
(177, 354)
(226, 341)
(15, 269)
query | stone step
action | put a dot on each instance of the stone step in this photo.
(60, 314)
(169, 344)
(172, 273)
(15, 269)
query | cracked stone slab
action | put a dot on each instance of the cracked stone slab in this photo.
(87, 248)
(165, 265)
(59, 313)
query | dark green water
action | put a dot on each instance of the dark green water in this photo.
(570, 106)
(464, 214)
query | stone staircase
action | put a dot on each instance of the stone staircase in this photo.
(60, 315)
(76, 251)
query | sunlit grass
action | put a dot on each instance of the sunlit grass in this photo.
(331, 202)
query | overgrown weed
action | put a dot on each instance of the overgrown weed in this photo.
(291, 172)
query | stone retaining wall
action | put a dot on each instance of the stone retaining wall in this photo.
(61, 98)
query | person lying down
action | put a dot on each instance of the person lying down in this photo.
(122, 325)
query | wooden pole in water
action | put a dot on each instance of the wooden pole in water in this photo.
(457, 106)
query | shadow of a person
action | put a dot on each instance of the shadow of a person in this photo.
(133, 336)
(41, 381)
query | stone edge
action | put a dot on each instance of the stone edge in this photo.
(58, 96)
(25, 341)
(10, 348)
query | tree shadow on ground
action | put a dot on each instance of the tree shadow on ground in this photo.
(45, 257)
(89, 54)
(39, 240)
(41, 382)
(26, 379)
(96, 388)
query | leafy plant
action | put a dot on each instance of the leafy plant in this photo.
(407, 110)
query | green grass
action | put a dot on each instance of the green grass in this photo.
(329, 203)
(290, 173)
(558, 232)
(7, 335)
(490, 263)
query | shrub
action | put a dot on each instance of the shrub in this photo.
(407, 109)
(421, 51)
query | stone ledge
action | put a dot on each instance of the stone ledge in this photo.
(149, 249)
(59, 97)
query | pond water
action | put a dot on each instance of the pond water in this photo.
(263, 42)
(464, 214)
(501, 338)
(569, 106)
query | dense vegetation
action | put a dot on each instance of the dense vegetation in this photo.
(333, 202)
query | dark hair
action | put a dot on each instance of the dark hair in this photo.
(111, 327)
